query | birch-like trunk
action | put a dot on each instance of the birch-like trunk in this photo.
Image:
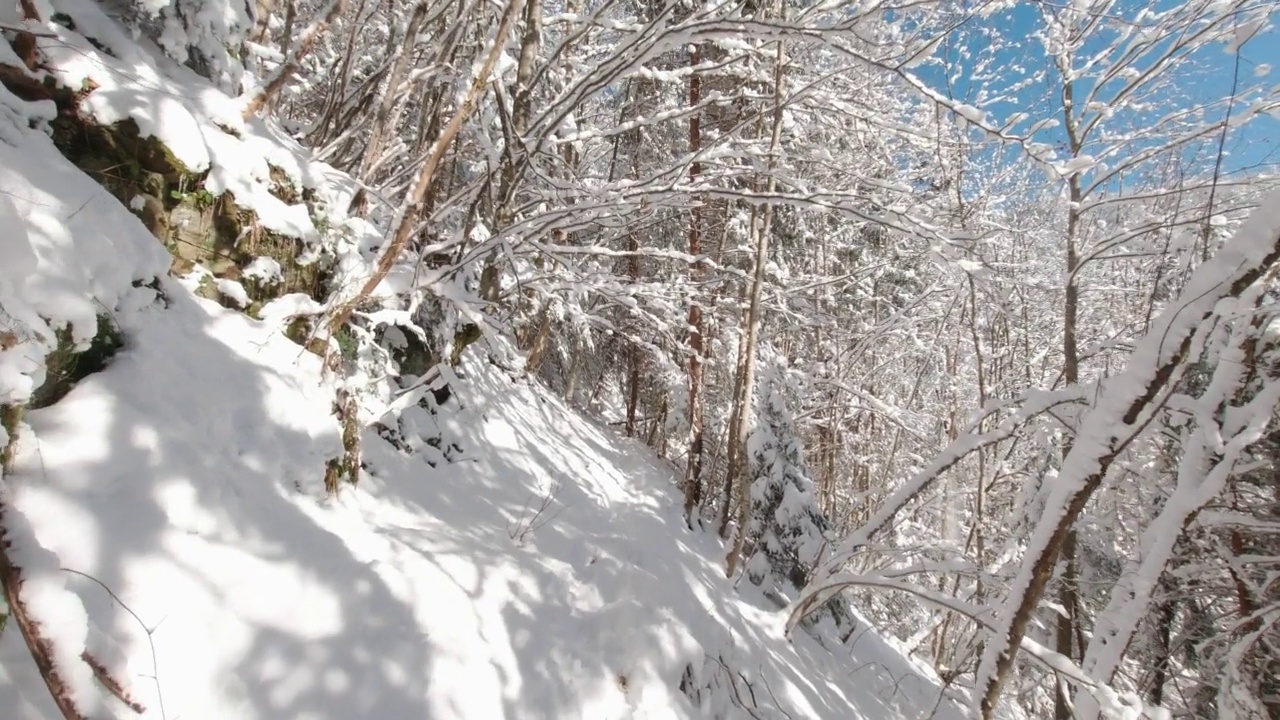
(761, 229)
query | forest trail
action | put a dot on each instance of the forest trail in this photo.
(186, 478)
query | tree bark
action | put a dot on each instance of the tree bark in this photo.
(417, 197)
(293, 60)
(390, 96)
(1068, 593)
(40, 647)
(693, 466)
(762, 229)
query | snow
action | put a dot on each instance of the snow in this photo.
(290, 306)
(200, 125)
(71, 253)
(264, 269)
(1124, 405)
(970, 113)
(186, 478)
(233, 291)
(1075, 165)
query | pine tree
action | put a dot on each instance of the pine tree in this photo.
(786, 529)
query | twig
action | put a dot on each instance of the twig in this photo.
(18, 28)
(527, 525)
(155, 665)
(776, 704)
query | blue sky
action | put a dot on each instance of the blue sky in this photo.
(990, 56)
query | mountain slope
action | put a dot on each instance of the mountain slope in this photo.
(170, 517)
(173, 477)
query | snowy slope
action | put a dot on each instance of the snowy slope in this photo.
(173, 477)
(177, 497)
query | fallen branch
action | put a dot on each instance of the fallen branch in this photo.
(112, 685)
(38, 645)
(155, 663)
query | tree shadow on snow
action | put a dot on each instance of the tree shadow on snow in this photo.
(608, 590)
(187, 489)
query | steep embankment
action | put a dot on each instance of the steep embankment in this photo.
(167, 452)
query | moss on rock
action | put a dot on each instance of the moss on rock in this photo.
(195, 225)
(68, 364)
(10, 417)
(120, 158)
(65, 367)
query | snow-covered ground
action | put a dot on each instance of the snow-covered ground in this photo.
(186, 477)
(170, 516)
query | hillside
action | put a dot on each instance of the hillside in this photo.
(170, 435)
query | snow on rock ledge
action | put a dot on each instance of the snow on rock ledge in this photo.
(72, 257)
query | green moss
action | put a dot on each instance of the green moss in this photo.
(120, 159)
(208, 288)
(348, 346)
(196, 226)
(10, 417)
(198, 198)
(299, 330)
(67, 365)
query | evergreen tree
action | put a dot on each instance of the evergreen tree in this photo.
(786, 529)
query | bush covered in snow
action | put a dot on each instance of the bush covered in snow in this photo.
(206, 35)
(786, 531)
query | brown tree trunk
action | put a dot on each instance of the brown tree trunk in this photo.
(635, 356)
(1068, 592)
(693, 467)
(293, 60)
(418, 196)
(390, 95)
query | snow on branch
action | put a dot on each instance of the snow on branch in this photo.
(1128, 404)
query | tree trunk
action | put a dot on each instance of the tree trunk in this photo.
(693, 467)
(762, 230)
(417, 197)
(293, 59)
(1130, 403)
(1068, 592)
(635, 356)
(390, 96)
